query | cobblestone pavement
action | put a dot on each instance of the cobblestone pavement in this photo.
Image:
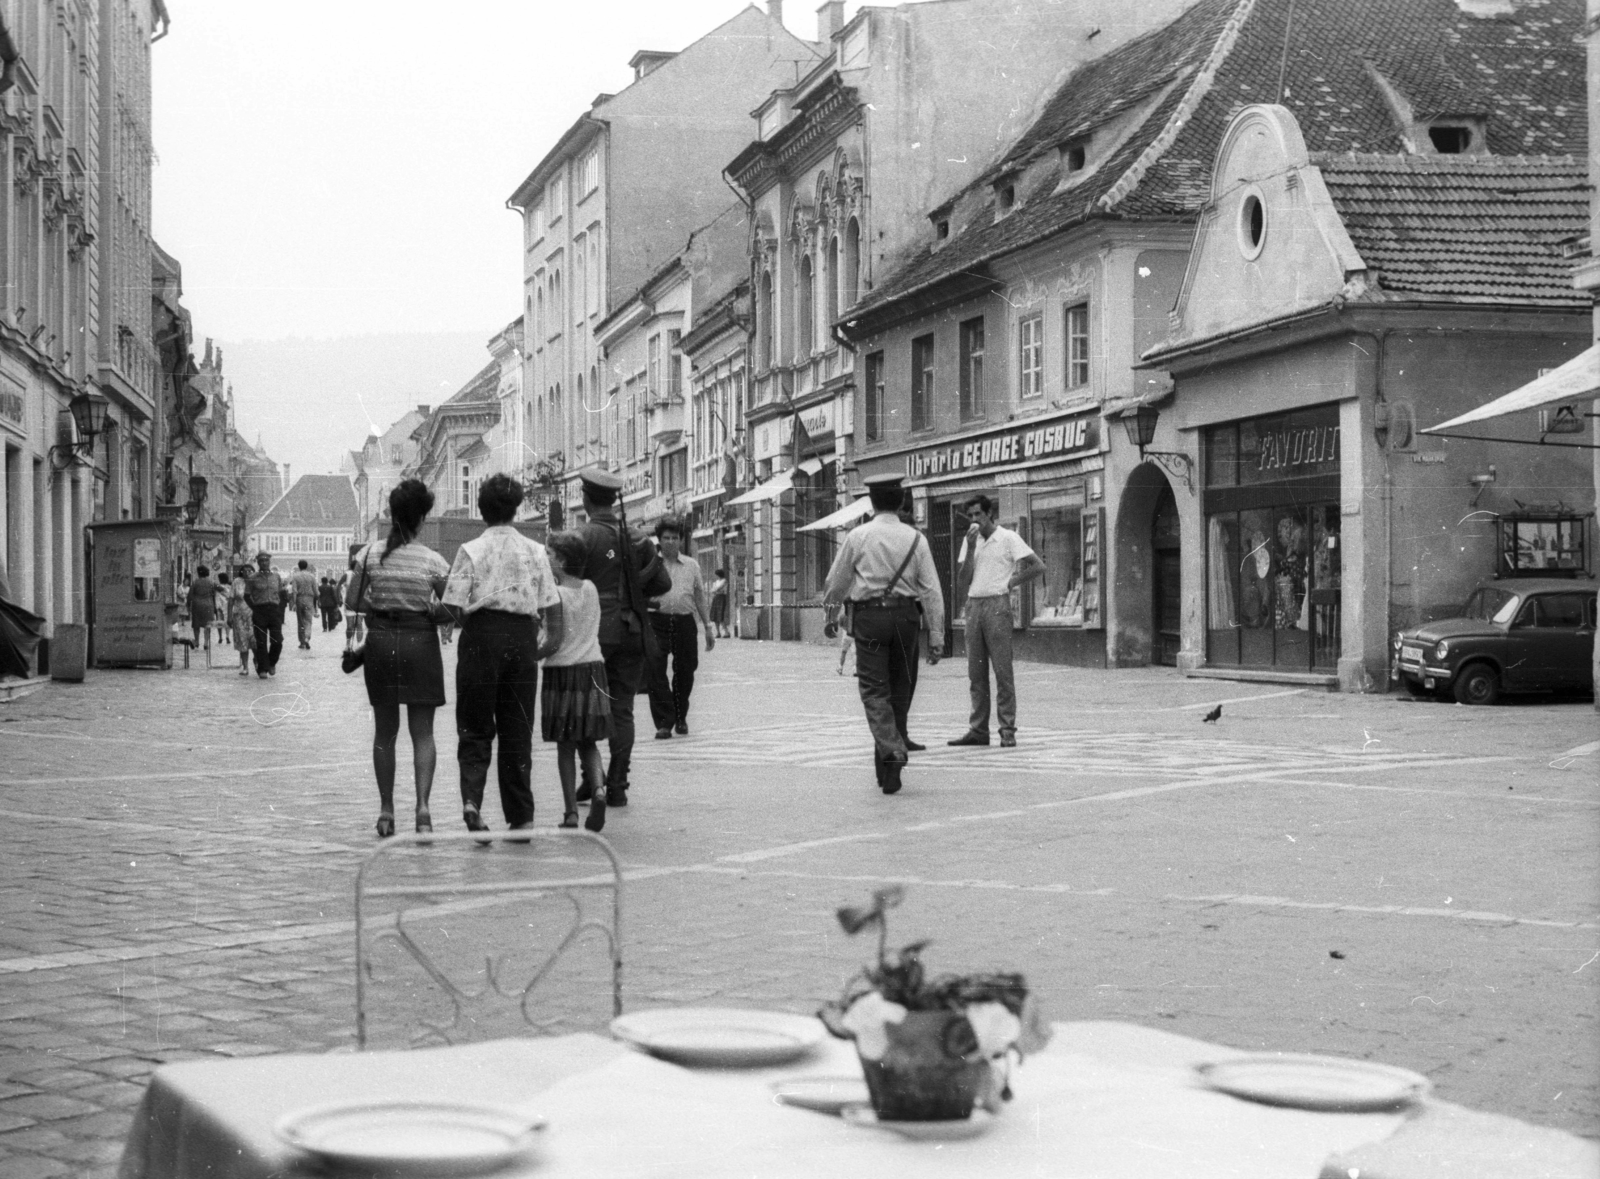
(1416, 883)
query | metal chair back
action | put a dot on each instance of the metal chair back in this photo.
(429, 908)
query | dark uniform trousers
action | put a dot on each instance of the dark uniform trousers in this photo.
(677, 639)
(624, 673)
(267, 622)
(886, 635)
(497, 694)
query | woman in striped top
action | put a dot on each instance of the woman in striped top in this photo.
(399, 588)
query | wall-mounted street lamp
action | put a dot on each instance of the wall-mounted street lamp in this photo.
(89, 416)
(197, 497)
(1141, 427)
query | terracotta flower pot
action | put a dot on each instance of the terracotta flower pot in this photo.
(922, 1077)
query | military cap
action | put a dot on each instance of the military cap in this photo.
(601, 478)
(264, 553)
(889, 479)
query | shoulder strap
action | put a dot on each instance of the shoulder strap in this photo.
(895, 580)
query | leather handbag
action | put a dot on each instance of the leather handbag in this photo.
(354, 657)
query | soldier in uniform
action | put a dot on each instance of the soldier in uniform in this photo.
(885, 571)
(622, 617)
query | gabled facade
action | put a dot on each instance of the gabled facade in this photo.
(908, 104)
(1002, 353)
(507, 439)
(613, 201)
(452, 457)
(377, 468)
(315, 521)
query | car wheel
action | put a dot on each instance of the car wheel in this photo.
(1477, 684)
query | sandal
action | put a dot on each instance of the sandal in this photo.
(385, 825)
(424, 822)
(597, 812)
(570, 819)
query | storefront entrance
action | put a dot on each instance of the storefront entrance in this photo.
(1272, 542)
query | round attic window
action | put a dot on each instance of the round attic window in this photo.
(1252, 224)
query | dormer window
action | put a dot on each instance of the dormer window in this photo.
(1450, 139)
(1073, 158)
(941, 228)
(1007, 194)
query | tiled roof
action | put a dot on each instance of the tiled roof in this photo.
(315, 501)
(482, 387)
(1471, 228)
(1524, 73)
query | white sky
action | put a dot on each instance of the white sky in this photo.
(342, 167)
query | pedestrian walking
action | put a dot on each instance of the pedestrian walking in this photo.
(219, 607)
(719, 605)
(303, 585)
(399, 587)
(267, 596)
(625, 574)
(328, 604)
(354, 621)
(884, 571)
(202, 602)
(575, 706)
(501, 588)
(240, 621)
(674, 615)
(994, 561)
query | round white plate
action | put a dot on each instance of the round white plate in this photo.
(827, 1095)
(719, 1037)
(953, 1130)
(411, 1137)
(1315, 1082)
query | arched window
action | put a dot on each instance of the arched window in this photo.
(852, 264)
(830, 291)
(805, 309)
(764, 319)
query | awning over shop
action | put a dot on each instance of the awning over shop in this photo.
(765, 492)
(1577, 380)
(843, 518)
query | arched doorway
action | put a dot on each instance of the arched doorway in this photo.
(1166, 607)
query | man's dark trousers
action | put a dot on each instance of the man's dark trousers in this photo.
(624, 674)
(886, 653)
(676, 637)
(497, 694)
(267, 622)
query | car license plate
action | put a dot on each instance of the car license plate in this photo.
(1427, 682)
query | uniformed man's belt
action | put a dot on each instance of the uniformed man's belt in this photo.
(885, 600)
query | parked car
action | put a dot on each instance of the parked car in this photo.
(1517, 635)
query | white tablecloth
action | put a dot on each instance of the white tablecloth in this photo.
(1105, 1101)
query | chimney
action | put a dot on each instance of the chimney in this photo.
(830, 19)
(287, 483)
(775, 10)
(423, 410)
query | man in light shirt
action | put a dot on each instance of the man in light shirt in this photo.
(885, 571)
(673, 616)
(1000, 561)
(501, 586)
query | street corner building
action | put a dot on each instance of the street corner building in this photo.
(1186, 330)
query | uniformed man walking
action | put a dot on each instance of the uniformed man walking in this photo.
(884, 570)
(622, 615)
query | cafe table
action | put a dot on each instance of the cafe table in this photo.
(1103, 1101)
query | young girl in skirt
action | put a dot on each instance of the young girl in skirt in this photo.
(239, 619)
(576, 708)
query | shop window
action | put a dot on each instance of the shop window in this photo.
(972, 369)
(1077, 325)
(922, 383)
(1542, 544)
(1057, 536)
(872, 397)
(1030, 346)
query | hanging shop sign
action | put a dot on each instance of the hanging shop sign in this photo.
(1070, 438)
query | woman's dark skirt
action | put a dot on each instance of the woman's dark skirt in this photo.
(576, 705)
(719, 609)
(402, 664)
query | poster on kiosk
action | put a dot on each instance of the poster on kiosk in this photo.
(132, 566)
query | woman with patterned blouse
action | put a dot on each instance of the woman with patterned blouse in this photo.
(399, 588)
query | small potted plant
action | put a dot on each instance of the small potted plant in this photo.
(932, 1049)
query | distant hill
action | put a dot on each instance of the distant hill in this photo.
(310, 400)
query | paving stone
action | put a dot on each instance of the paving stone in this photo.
(57, 1079)
(109, 1094)
(10, 1121)
(31, 1166)
(36, 1139)
(46, 1106)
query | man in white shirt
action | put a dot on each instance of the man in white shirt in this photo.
(673, 616)
(999, 560)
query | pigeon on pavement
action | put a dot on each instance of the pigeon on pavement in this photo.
(1212, 715)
